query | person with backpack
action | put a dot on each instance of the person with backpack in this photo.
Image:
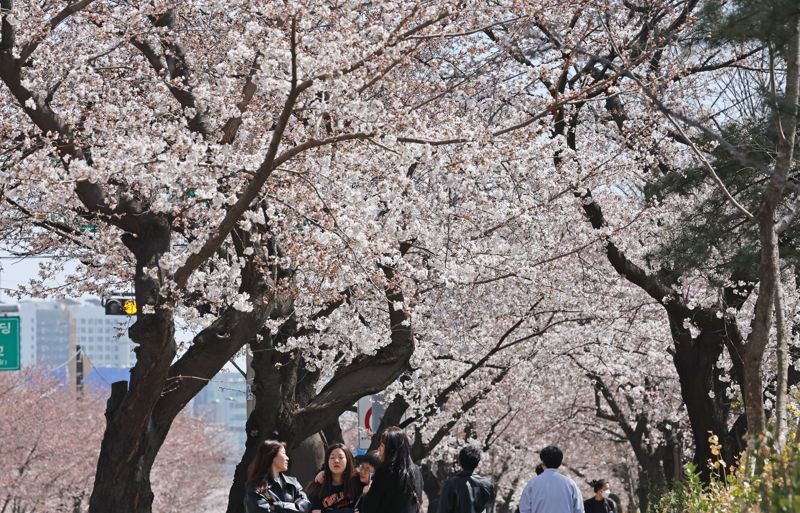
(466, 492)
(397, 483)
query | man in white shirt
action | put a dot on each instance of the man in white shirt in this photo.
(551, 492)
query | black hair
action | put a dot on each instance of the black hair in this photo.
(260, 469)
(372, 457)
(598, 484)
(538, 469)
(551, 456)
(350, 486)
(397, 458)
(469, 457)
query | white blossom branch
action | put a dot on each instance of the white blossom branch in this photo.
(65, 13)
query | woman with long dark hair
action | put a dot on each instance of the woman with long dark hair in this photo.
(397, 484)
(340, 487)
(268, 488)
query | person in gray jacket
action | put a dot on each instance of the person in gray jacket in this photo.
(466, 492)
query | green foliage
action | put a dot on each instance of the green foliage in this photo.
(743, 21)
(765, 481)
(713, 237)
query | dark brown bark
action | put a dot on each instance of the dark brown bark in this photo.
(433, 478)
(131, 440)
(701, 388)
(139, 416)
(288, 408)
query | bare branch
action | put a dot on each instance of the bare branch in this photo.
(65, 13)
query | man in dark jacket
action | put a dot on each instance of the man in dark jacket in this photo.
(466, 492)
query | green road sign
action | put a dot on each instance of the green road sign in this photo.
(9, 343)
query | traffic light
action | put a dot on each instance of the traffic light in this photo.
(120, 306)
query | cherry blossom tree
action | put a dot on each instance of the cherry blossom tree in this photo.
(52, 440)
(161, 135)
(438, 200)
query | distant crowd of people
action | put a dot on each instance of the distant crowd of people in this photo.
(388, 481)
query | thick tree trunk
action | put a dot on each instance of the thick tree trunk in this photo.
(701, 389)
(122, 484)
(131, 440)
(139, 416)
(287, 405)
(432, 485)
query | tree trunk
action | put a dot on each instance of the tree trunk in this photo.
(769, 269)
(432, 485)
(782, 380)
(753, 383)
(131, 440)
(786, 152)
(287, 405)
(139, 416)
(695, 360)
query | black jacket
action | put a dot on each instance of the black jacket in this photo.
(593, 505)
(386, 496)
(465, 492)
(285, 495)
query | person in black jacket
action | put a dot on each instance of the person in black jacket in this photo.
(600, 503)
(268, 488)
(397, 484)
(466, 492)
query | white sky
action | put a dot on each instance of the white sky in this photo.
(15, 271)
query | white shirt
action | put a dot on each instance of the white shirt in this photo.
(551, 492)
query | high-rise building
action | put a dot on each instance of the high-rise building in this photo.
(45, 328)
(104, 338)
(223, 402)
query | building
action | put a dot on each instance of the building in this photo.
(45, 328)
(103, 338)
(223, 401)
(45, 331)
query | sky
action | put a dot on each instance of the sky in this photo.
(15, 271)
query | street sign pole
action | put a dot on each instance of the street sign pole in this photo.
(9, 343)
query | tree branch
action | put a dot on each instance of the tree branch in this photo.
(66, 12)
(246, 198)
